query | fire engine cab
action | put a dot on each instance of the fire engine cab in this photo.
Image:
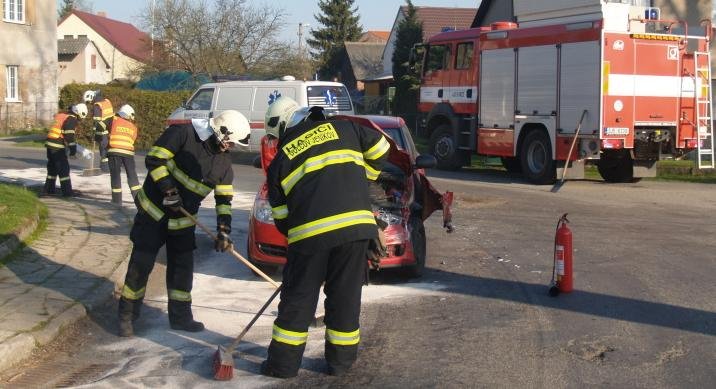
(570, 80)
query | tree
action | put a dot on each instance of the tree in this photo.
(407, 84)
(227, 37)
(68, 5)
(340, 24)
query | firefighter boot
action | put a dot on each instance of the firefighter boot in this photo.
(49, 188)
(181, 318)
(125, 314)
(116, 198)
(66, 186)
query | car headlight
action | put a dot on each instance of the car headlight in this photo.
(389, 217)
(262, 211)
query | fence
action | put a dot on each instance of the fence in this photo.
(23, 116)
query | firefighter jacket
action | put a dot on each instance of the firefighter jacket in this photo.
(179, 159)
(62, 131)
(102, 111)
(318, 183)
(122, 134)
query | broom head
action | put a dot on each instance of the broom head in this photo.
(223, 364)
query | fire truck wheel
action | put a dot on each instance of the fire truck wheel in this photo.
(444, 147)
(512, 164)
(536, 157)
(417, 239)
(616, 168)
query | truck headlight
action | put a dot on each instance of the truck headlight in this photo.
(262, 211)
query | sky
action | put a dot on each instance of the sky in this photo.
(374, 14)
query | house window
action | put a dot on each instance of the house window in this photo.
(14, 11)
(463, 58)
(93, 61)
(11, 93)
(69, 36)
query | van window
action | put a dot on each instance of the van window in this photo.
(234, 98)
(329, 97)
(201, 100)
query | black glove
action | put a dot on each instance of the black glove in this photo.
(172, 200)
(223, 241)
(376, 251)
(73, 150)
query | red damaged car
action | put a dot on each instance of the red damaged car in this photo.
(402, 198)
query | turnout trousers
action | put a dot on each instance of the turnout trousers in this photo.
(103, 142)
(116, 161)
(343, 270)
(148, 237)
(58, 166)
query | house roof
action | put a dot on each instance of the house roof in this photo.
(365, 58)
(69, 48)
(124, 36)
(436, 19)
(375, 36)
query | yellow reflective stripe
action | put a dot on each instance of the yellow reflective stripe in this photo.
(148, 206)
(280, 212)
(224, 190)
(330, 223)
(159, 173)
(117, 190)
(54, 145)
(105, 160)
(342, 338)
(63, 179)
(54, 133)
(122, 137)
(51, 177)
(68, 131)
(120, 151)
(180, 223)
(189, 183)
(319, 162)
(160, 152)
(130, 294)
(371, 173)
(289, 337)
(179, 295)
(72, 144)
(223, 209)
(377, 150)
(135, 187)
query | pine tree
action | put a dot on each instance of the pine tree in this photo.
(340, 23)
(66, 8)
(408, 33)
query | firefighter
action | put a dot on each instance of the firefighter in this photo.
(122, 134)
(318, 190)
(185, 164)
(60, 139)
(102, 113)
(275, 124)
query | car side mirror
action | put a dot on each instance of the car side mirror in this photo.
(425, 161)
(256, 162)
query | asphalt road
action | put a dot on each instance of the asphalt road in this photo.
(643, 313)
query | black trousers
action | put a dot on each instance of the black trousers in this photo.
(103, 141)
(148, 237)
(116, 161)
(343, 270)
(58, 166)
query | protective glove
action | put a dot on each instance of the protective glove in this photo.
(223, 242)
(73, 150)
(377, 250)
(172, 200)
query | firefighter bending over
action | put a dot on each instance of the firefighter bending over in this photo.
(318, 190)
(102, 112)
(122, 134)
(185, 164)
(61, 137)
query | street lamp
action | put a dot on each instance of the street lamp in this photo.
(301, 25)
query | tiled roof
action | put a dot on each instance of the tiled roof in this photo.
(124, 36)
(71, 46)
(375, 36)
(366, 58)
(436, 19)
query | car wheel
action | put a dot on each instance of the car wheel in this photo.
(538, 167)
(417, 239)
(444, 147)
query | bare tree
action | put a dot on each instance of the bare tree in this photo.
(219, 38)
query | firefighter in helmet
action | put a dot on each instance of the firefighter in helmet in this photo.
(318, 191)
(185, 164)
(122, 135)
(102, 113)
(277, 116)
(60, 139)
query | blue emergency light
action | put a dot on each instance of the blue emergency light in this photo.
(651, 13)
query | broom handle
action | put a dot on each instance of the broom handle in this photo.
(231, 249)
(571, 148)
(232, 346)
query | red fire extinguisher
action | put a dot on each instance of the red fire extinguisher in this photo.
(562, 266)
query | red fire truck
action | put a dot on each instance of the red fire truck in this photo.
(610, 82)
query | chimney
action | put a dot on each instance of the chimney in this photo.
(102, 14)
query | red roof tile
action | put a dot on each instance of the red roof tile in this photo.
(375, 36)
(124, 36)
(435, 19)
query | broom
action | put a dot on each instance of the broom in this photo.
(224, 356)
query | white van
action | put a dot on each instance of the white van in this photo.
(252, 98)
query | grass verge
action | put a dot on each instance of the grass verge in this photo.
(17, 206)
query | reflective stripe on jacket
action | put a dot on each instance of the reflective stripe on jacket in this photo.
(122, 135)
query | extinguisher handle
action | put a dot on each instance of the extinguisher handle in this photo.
(563, 219)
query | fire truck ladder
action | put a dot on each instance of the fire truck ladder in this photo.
(704, 108)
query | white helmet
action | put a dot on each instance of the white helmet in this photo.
(89, 96)
(279, 114)
(231, 127)
(80, 110)
(126, 112)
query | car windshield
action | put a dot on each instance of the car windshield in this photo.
(397, 135)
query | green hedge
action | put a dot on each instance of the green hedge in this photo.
(151, 108)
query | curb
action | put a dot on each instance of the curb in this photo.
(19, 235)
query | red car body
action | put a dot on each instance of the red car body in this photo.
(403, 201)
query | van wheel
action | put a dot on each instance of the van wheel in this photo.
(538, 167)
(443, 146)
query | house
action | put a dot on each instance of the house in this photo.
(375, 36)
(28, 63)
(361, 63)
(79, 60)
(125, 48)
(434, 19)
